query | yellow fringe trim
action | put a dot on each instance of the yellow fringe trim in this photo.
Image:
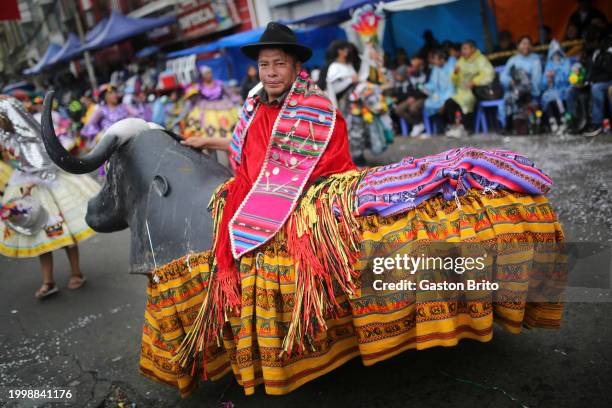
(325, 217)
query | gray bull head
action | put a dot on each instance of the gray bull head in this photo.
(151, 178)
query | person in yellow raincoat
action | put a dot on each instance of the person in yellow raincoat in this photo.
(472, 69)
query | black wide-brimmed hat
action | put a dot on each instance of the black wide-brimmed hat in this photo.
(278, 35)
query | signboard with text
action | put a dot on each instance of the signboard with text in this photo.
(200, 17)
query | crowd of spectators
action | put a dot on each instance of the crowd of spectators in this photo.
(554, 86)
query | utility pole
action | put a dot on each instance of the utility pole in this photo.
(88, 64)
(485, 26)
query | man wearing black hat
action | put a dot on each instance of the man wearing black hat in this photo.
(288, 135)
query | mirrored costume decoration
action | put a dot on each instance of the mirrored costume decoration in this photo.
(43, 208)
(369, 124)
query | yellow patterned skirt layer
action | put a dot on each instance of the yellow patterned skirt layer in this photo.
(373, 325)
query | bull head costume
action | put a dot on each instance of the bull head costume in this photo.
(152, 179)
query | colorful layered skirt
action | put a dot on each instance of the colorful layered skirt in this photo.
(65, 202)
(365, 323)
(211, 119)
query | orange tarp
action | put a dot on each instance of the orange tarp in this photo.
(520, 17)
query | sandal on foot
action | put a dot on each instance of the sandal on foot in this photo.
(47, 289)
(76, 282)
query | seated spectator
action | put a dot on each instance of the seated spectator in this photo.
(472, 69)
(584, 16)
(397, 91)
(429, 44)
(439, 88)
(599, 75)
(411, 108)
(571, 33)
(522, 79)
(555, 83)
(546, 34)
(401, 61)
(452, 51)
(504, 44)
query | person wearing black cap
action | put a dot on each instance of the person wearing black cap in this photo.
(288, 115)
(288, 135)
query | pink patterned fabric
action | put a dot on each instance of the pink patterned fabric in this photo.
(299, 138)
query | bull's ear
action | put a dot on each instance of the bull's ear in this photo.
(161, 185)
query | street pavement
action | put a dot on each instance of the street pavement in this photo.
(89, 339)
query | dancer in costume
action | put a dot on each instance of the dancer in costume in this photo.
(369, 123)
(43, 208)
(217, 106)
(109, 111)
(189, 120)
(210, 111)
(285, 296)
(63, 124)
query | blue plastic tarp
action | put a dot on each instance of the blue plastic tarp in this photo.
(147, 51)
(69, 50)
(17, 85)
(457, 21)
(317, 38)
(52, 49)
(96, 30)
(119, 27)
(200, 49)
(234, 40)
(220, 66)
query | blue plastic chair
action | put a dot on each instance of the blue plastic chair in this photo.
(481, 116)
(429, 128)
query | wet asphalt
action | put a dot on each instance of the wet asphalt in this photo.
(89, 340)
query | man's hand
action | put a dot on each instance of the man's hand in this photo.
(199, 142)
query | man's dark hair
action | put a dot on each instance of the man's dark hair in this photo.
(524, 37)
(471, 42)
(332, 51)
(439, 53)
(449, 45)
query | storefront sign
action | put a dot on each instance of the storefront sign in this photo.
(199, 17)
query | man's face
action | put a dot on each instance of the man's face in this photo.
(416, 63)
(524, 47)
(467, 50)
(277, 71)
